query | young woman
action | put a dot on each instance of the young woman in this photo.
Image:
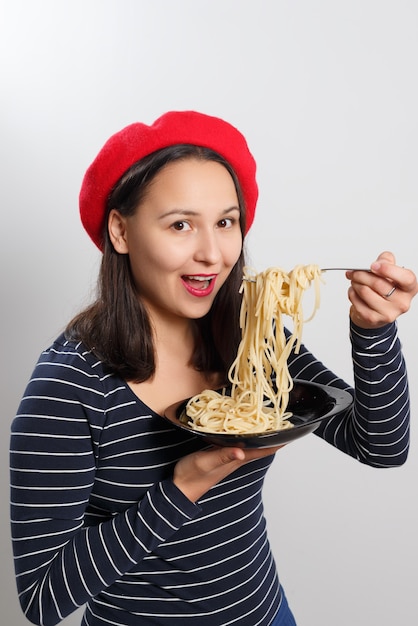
(112, 506)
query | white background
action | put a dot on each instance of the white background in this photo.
(326, 93)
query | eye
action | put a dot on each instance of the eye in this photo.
(181, 226)
(227, 222)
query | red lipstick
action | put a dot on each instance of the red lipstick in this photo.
(199, 285)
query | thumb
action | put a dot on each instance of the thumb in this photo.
(386, 256)
(229, 455)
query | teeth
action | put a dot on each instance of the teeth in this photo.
(201, 278)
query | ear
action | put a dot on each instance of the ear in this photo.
(116, 225)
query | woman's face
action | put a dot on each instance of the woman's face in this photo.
(183, 239)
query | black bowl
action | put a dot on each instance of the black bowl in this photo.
(310, 404)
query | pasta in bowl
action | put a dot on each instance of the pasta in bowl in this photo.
(263, 406)
(309, 404)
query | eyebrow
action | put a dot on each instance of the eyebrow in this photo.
(190, 212)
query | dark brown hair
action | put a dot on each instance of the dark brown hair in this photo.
(116, 326)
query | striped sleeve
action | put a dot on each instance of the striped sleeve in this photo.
(375, 430)
(60, 562)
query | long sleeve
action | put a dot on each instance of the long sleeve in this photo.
(376, 429)
(64, 554)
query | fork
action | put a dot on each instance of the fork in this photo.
(346, 269)
(328, 269)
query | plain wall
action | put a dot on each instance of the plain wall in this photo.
(326, 93)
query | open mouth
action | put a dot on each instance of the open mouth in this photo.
(199, 285)
(199, 282)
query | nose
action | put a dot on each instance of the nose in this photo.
(207, 249)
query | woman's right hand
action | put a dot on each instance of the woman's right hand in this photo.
(196, 473)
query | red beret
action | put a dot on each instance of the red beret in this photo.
(137, 140)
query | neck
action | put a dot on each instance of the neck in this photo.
(174, 337)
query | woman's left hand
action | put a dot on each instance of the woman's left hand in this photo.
(380, 296)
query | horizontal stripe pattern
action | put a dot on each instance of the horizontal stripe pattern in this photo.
(96, 517)
(376, 429)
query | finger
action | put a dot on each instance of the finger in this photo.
(367, 285)
(400, 277)
(368, 304)
(371, 309)
(386, 256)
(229, 455)
(219, 456)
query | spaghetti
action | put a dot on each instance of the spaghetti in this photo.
(259, 375)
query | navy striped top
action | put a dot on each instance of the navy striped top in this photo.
(97, 520)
